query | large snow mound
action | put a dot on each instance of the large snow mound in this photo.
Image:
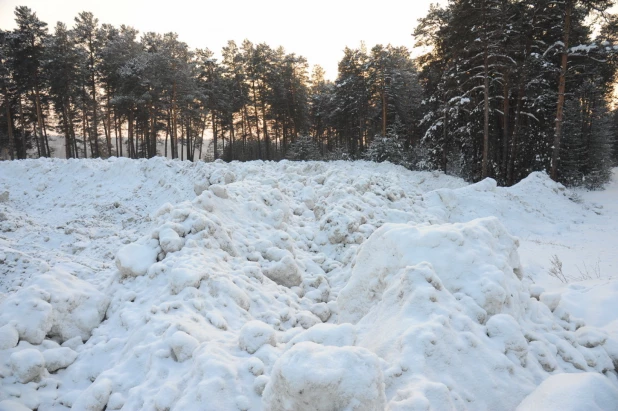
(445, 307)
(168, 285)
(573, 392)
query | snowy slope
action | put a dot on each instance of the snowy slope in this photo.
(170, 285)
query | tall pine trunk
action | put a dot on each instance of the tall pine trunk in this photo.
(555, 157)
(9, 122)
(485, 164)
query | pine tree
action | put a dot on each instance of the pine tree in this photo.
(387, 148)
(27, 44)
(86, 32)
(62, 61)
(304, 148)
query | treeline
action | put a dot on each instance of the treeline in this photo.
(516, 86)
(508, 87)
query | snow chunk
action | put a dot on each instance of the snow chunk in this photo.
(27, 365)
(9, 337)
(254, 335)
(183, 345)
(222, 176)
(169, 240)
(590, 336)
(571, 392)
(285, 272)
(325, 378)
(77, 306)
(58, 358)
(95, 397)
(31, 306)
(219, 190)
(134, 259)
(200, 186)
(504, 328)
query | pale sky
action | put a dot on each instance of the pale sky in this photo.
(318, 29)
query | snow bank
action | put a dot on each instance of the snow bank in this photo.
(168, 285)
(573, 392)
(445, 307)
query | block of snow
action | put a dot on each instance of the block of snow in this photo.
(29, 307)
(78, 307)
(183, 345)
(254, 335)
(504, 329)
(573, 392)
(550, 299)
(134, 260)
(169, 240)
(285, 272)
(259, 384)
(222, 176)
(58, 358)
(200, 186)
(116, 401)
(95, 397)
(166, 396)
(27, 364)
(325, 378)
(9, 337)
(591, 336)
(307, 319)
(219, 190)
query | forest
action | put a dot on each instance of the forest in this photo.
(502, 89)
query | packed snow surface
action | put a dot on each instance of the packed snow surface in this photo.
(166, 285)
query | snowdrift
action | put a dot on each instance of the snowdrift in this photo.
(446, 308)
(176, 286)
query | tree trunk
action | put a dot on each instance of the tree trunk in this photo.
(485, 164)
(109, 126)
(232, 138)
(130, 149)
(555, 157)
(257, 121)
(39, 116)
(383, 109)
(174, 137)
(67, 136)
(214, 134)
(21, 152)
(506, 107)
(265, 126)
(9, 122)
(167, 133)
(93, 87)
(445, 137)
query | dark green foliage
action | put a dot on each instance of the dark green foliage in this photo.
(304, 148)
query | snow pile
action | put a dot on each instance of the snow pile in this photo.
(166, 285)
(573, 392)
(446, 308)
(54, 305)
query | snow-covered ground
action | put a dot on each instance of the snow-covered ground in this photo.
(167, 285)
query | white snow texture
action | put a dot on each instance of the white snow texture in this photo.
(167, 285)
